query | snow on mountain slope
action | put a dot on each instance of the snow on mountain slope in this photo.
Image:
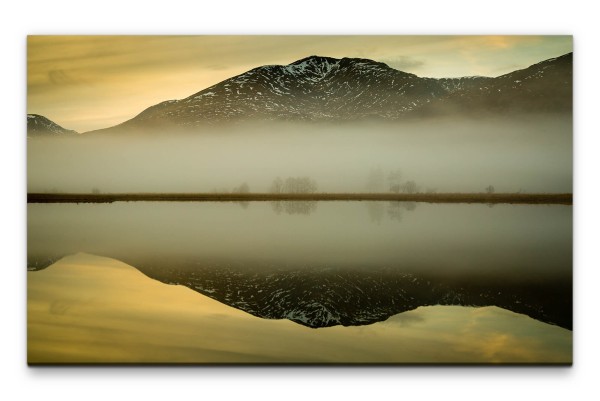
(327, 296)
(328, 89)
(39, 125)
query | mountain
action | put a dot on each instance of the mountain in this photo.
(328, 89)
(39, 126)
(543, 87)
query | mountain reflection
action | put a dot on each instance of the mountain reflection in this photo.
(333, 267)
(328, 296)
(40, 262)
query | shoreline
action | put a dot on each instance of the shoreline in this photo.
(514, 198)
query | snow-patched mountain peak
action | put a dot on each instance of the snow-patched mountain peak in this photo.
(318, 88)
(312, 69)
(38, 125)
(321, 65)
(313, 64)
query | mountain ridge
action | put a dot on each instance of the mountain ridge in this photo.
(310, 89)
(38, 125)
(326, 89)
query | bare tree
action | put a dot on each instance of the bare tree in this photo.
(290, 185)
(409, 187)
(276, 186)
(294, 185)
(298, 185)
(395, 188)
(242, 189)
(394, 179)
(490, 189)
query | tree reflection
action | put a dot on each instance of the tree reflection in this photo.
(395, 210)
(294, 207)
(244, 204)
(376, 211)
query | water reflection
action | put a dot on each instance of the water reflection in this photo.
(90, 309)
(375, 210)
(394, 210)
(294, 207)
(244, 204)
(40, 262)
(527, 242)
(328, 296)
(332, 267)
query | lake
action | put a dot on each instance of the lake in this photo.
(299, 282)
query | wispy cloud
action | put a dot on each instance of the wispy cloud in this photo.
(403, 63)
(61, 77)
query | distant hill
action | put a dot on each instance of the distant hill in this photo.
(41, 126)
(543, 87)
(328, 89)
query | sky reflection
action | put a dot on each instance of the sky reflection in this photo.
(92, 309)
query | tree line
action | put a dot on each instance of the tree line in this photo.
(378, 181)
(293, 185)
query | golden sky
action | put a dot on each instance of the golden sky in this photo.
(91, 82)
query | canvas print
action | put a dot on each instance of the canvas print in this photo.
(299, 199)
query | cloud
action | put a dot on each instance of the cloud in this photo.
(60, 77)
(403, 63)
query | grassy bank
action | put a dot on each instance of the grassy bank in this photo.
(563, 199)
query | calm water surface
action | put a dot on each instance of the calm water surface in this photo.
(299, 282)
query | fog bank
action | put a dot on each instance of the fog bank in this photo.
(532, 154)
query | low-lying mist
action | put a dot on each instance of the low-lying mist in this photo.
(530, 154)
